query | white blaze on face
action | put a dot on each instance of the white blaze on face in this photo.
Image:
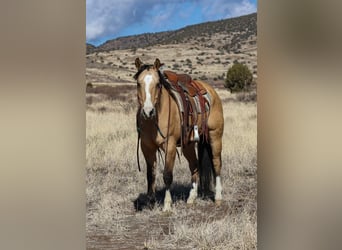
(148, 106)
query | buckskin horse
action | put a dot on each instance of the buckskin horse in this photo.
(160, 125)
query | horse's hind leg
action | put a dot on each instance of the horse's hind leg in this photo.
(216, 147)
(151, 163)
(168, 175)
(190, 155)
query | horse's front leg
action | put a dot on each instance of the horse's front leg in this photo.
(151, 163)
(168, 174)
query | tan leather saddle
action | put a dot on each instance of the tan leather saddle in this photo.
(188, 89)
(186, 82)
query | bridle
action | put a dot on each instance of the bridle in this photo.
(160, 85)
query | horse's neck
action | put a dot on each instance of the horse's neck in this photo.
(164, 102)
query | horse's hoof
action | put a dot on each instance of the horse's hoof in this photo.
(167, 215)
(190, 204)
(167, 212)
(167, 208)
(218, 202)
(151, 201)
(150, 205)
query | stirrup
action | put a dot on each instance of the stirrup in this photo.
(196, 135)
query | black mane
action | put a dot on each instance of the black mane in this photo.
(163, 81)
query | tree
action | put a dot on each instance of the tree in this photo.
(238, 78)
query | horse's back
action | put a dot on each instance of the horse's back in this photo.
(215, 100)
(215, 119)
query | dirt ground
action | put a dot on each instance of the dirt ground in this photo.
(139, 228)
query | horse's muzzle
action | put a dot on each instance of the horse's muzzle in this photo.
(148, 113)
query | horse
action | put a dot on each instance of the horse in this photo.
(159, 127)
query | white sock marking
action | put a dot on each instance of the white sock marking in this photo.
(218, 188)
(167, 201)
(193, 193)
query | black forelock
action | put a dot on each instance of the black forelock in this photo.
(162, 78)
(142, 68)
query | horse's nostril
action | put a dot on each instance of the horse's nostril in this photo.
(148, 113)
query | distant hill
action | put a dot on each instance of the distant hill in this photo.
(240, 27)
(205, 51)
(90, 48)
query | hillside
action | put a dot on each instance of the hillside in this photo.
(90, 48)
(204, 50)
(244, 25)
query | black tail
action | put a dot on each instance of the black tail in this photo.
(206, 167)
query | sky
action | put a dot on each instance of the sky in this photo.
(109, 19)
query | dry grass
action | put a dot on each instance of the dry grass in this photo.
(116, 189)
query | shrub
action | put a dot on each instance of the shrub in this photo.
(175, 66)
(238, 78)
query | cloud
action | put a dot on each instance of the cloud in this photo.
(162, 14)
(108, 18)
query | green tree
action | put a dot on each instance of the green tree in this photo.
(238, 78)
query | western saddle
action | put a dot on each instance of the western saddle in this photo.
(192, 99)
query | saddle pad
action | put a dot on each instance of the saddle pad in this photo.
(178, 99)
(198, 105)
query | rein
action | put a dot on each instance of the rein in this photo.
(166, 138)
(168, 127)
(138, 152)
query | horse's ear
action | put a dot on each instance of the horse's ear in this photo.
(138, 63)
(157, 64)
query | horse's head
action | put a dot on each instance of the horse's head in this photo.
(148, 85)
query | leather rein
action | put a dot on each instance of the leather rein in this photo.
(166, 138)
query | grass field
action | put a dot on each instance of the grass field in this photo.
(115, 187)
